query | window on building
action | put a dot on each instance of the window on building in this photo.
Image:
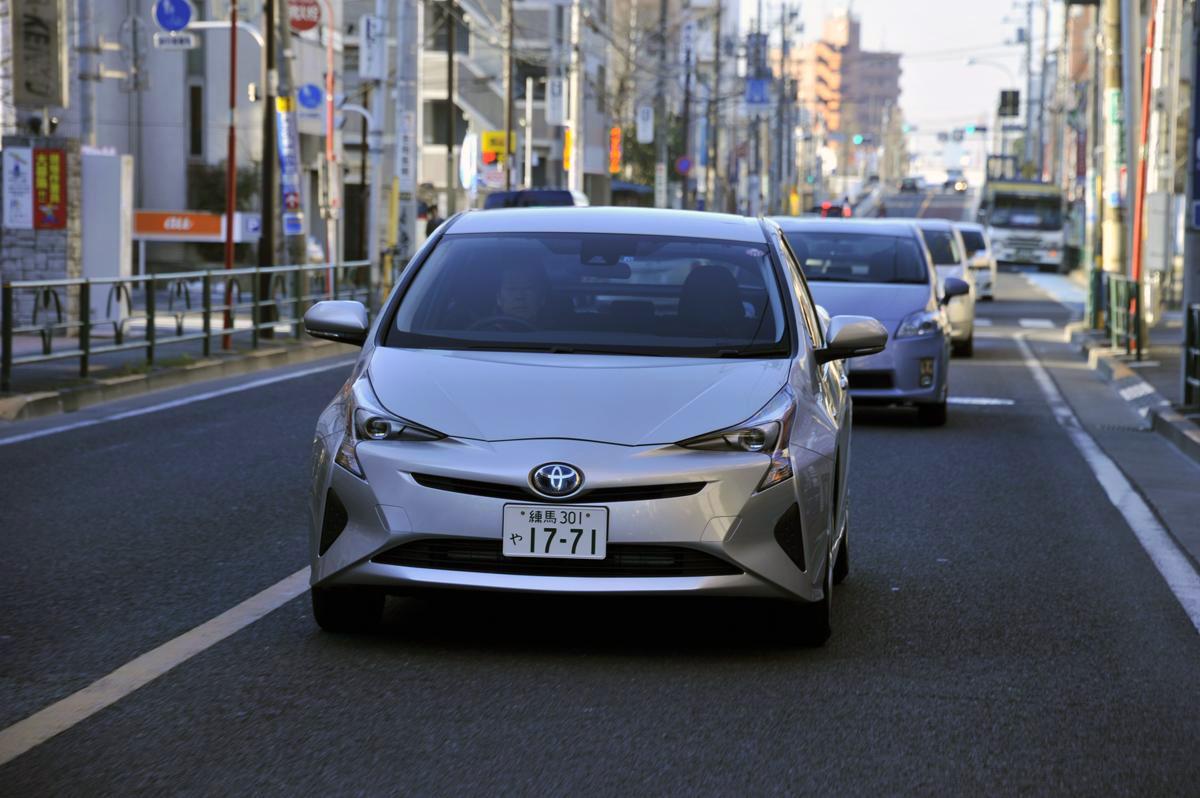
(435, 122)
(196, 120)
(436, 29)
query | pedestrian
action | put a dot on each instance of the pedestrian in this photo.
(432, 220)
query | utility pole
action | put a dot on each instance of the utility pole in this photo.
(1131, 102)
(451, 109)
(660, 111)
(528, 177)
(86, 48)
(1113, 225)
(507, 22)
(714, 191)
(1042, 81)
(1190, 388)
(407, 31)
(270, 184)
(386, 12)
(687, 125)
(1029, 115)
(575, 174)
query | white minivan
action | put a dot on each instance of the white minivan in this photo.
(980, 258)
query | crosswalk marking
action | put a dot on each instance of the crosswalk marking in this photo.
(1037, 324)
(983, 322)
(979, 400)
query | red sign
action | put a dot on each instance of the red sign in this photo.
(303, 15)
(49, 189)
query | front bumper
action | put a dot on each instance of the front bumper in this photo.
(894, 375)
(985, 280)
(726, 519)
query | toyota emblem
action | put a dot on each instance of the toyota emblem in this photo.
(556, 480)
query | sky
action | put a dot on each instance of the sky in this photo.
(938, 90)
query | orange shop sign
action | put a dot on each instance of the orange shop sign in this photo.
(178, 226)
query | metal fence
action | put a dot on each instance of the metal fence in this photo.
(1191, 356)
(150, 311)
(1122, 318)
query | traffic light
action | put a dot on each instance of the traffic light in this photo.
(1010, 103)
(969, 129)
(858, 138)
(906, 128)
(810, 179)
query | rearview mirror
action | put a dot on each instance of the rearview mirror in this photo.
(852, 336)
(953, 287)
(338, 320)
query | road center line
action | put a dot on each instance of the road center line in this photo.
(186, 400)
(1174, 566)
(979, 400)
(62, 715)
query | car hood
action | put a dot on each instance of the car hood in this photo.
(614, 399)
(887, 302)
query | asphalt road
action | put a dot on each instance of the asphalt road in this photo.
(928, 204)
(1001, 631)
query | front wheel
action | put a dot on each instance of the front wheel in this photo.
(965, 348)
(841, 566)
(816, 617)
(343, 610)
(932, 415)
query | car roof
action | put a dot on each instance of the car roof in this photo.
(973, 226)
(933, 223)
(608, 219)
(870, 227)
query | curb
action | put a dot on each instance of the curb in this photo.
(20, 407)
(1159, 413)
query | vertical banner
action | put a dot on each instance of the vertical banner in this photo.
(566, 159)
(614, 150)
(39, 53)
(556, 105)
(406, 152)
(288, 143)
(49, 189)
(645, 124)
(18, 188)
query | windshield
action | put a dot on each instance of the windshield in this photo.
(1027, 214)
(857, 258)
(595, 293)
(973, 241)
(943, 247)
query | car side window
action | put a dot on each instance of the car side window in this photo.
(808, 308)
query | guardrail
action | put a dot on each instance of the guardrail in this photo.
(58, 313)
(1123, 318)
(1191, 356)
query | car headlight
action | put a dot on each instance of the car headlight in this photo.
(923, 322)
(367, 420)
(767, 432)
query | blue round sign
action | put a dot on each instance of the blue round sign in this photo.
(173, 15)
(683, 164)
(310, 96)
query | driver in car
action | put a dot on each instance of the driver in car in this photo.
(522, 294)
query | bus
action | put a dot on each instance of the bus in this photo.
(1025, 222)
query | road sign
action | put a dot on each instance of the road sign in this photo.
(175, 40)
(683, 165)
(1010, 103)
(372, 48)
(645, 124)
(468, 160)
(758, 93)
(556, 105)
(173, 15)
(303, 15)
(660, 185)
(491, 144)
(310, 96)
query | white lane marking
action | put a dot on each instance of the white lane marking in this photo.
(980, 322)
(1037, 324)
(978, 400)
(1060, 288)
(1136, 391)
(186, 400)
(1174, 566)
(62, 715)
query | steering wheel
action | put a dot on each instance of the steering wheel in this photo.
(503, 323)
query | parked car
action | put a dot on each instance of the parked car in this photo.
(957, 185)
(980, 258)
(883, 269)
(950, 259)
(535, 198)
(833, 209)
(911, 185)
(524, 403)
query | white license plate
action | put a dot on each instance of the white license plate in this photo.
(539, 530)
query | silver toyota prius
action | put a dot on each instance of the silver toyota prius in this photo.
(588, 400)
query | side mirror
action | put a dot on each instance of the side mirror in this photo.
(954, 287)
(852, 336)
(338, 320)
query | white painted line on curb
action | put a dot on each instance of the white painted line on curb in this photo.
(1136, 391)
(1037, 324)
(186, 400)
(1174, 566)
(983, 322)
(979, 400)
(77, 707)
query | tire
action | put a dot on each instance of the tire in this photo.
(816, 617)
(841, 566)
(965, 348)
(932, 415)
(347, 610)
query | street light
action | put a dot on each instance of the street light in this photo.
(995, 65)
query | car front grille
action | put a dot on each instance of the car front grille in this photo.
(871, 380)
(622, 560)
(496, 490)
